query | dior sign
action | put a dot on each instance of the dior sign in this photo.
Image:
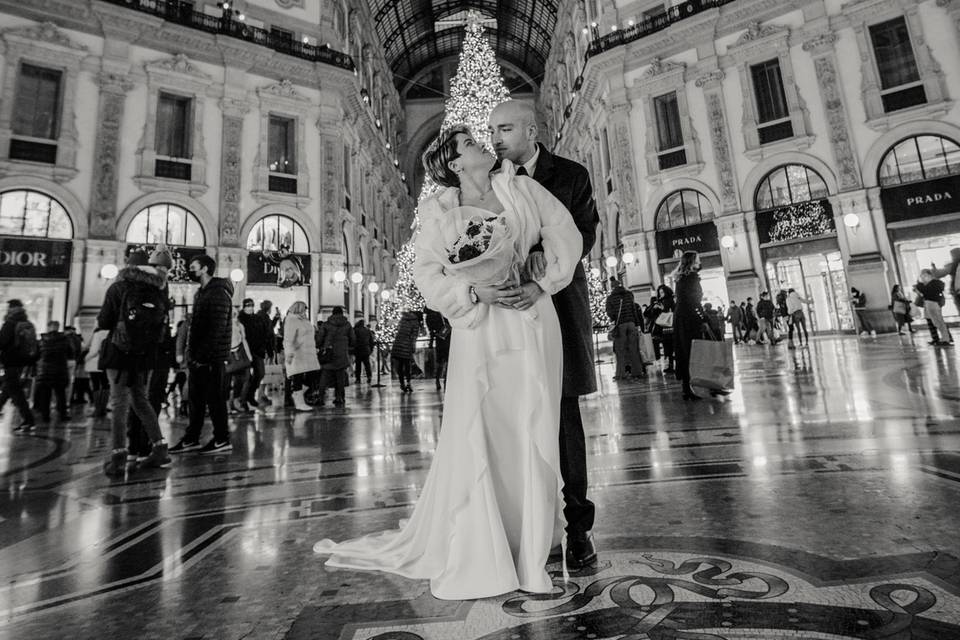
(703, 238)
(34, 258)
(921, 199)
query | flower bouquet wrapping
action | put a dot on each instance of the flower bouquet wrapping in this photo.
(484, 250)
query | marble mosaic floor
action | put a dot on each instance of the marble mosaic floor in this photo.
(820, 500)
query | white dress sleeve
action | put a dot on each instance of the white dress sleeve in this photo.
(562, 242)
(442, 291)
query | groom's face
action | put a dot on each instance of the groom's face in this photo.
(513, 132)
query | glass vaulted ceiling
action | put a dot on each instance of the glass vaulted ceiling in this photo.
(412, 41)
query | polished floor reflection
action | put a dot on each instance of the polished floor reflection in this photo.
(817, 501)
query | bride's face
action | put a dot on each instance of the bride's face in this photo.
(472, 154)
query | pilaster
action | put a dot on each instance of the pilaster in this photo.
(114, 86)
(712, 85)
(624, 173)
(234, 106)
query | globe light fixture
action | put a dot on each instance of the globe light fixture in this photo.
(385, 294)
(109, 271)
(356, 277)
(628, 258)
(611, 262)
(727, 242)
(339, 276)
(373, 287)
(851, 220)
(236, 275)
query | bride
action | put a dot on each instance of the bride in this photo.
(490, 509)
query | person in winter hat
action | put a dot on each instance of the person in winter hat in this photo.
(134, 312)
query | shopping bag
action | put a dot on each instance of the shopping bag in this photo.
(711, 364)
(646, 347)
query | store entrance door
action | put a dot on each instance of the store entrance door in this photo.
(915, 255)
(819, 278)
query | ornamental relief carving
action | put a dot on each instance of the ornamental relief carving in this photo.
(44, 32)
(721, 152)
(290, 4)
(103, 210)
(837, 120)
(330, 201)
(756, 31)
(625, 174)
(230, 177)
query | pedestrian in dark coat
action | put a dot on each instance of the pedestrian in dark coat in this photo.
(621, 309)
(336, 336)
(688, 318)
(404, 347)
(208, 347)
(14, 363)
(260, 341)
(514, 137)
(53, 374)
(362, 349)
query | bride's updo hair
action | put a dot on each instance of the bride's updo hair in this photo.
(441, 152)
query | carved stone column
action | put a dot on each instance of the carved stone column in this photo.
(711, 83)
(331, 194)
(233, 106)
(821, 48)
(106, 154)
(624, 173)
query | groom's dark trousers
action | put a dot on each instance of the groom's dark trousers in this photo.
(569, 182)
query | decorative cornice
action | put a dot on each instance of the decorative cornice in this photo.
(659, 67)
(711, 78)
(44, 32)
(115, 82)
(179, 63)
(820, 43)
(756, 31)
(282, 89)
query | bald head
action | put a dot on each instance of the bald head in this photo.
(513, 131)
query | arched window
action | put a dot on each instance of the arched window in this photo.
(275, 232)
(682, 208)
(789, 184)
(31, 213)
(919, 158)
(166, 223)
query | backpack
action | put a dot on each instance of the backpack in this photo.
(143, 317)
(26, 347)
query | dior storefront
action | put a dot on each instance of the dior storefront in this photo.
(278, 263)
(920, 193)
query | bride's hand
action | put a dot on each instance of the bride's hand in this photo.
(490, 295)
(520, 298)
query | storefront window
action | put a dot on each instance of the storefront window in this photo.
(29, 213)
(276, 232)
(919, 158)
(683, 208)
(787, 185)
(166, 224)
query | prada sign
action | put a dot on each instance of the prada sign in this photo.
(24, 258)
(703, 238)
(921, 199)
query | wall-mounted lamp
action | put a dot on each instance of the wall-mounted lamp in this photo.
(385, 294)
(109, 271)
(356, 277)
(373, 287)
(628, 258)
(851, 220)
(611, 262)
(236, 275)
(728, 243)
(339, 276)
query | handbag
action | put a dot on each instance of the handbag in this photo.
(664, 320)
(613, 332)
(237, 360)
(711, 364)
(899, 306)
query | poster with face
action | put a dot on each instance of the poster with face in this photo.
(289, 272)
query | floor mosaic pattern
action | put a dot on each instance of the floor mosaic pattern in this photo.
(817, 501)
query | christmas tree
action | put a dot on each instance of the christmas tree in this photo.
(475, 90)
(598, 298)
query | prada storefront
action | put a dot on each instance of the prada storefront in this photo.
(685, 223)
(920, 194)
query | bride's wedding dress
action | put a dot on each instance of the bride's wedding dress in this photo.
(491, 506)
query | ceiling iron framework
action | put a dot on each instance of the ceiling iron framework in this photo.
(412, 42)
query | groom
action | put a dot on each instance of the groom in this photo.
(513, 129)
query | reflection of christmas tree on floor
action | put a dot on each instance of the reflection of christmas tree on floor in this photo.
(474, 92)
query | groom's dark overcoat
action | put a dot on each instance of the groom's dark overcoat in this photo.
(569, 182)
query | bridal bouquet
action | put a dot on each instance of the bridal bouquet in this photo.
(484, 251)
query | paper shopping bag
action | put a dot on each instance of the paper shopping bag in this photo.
(711, 364)
(646, 348)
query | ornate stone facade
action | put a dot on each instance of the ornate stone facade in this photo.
(103, 206)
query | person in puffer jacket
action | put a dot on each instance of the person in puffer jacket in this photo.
(52, 372)
(337, 336)
(404, 348)
(208, 347)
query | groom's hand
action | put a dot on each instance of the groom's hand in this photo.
(490, 295)
(536, 266)
(521, 298)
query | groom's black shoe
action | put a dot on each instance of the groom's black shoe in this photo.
(580, 551)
